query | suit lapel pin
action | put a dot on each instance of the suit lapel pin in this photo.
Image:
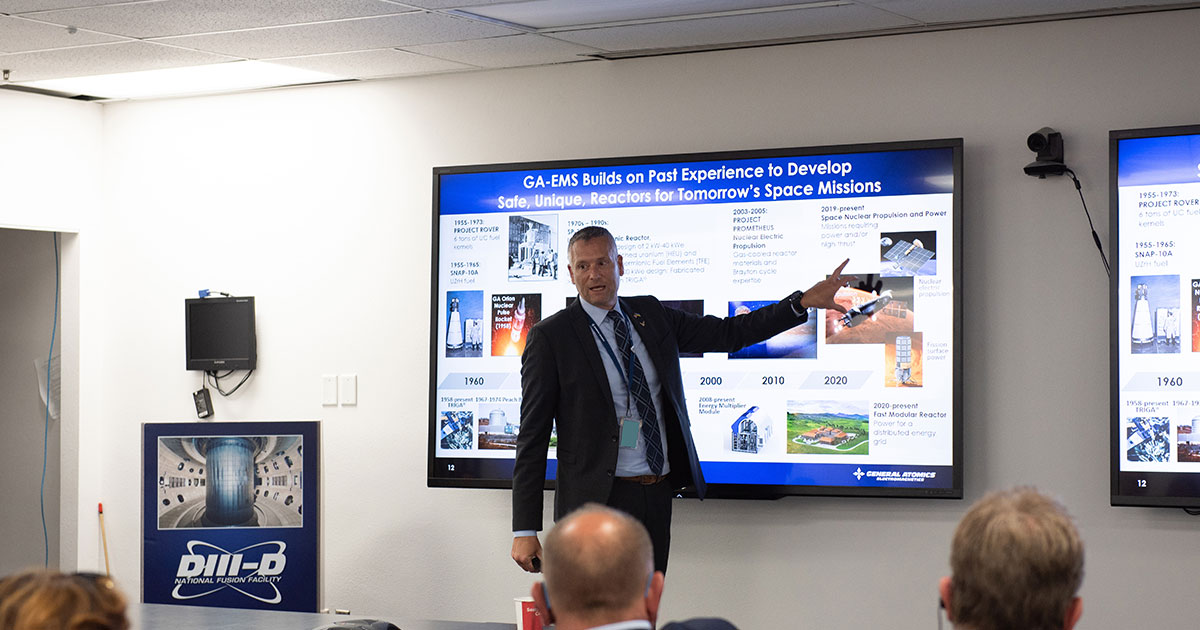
(641, 322)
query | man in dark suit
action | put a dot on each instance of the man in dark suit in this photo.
(600, 574)
(606, 369)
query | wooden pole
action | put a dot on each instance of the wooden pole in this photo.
(104, 539)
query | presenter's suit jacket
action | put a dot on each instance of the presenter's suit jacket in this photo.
(563, 380)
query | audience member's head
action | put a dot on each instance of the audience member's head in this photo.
(49, 600)
(599, 568)
(1016, 563)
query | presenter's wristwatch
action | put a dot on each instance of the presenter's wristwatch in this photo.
(794, 301)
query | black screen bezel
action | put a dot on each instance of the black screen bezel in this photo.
(247, 359)
(1124, 489)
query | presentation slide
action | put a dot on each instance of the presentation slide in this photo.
(1156, 307)
(862, 403)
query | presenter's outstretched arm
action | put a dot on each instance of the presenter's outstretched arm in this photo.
(821, 294)
(525, 549)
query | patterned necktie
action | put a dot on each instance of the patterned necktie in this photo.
(640, 393)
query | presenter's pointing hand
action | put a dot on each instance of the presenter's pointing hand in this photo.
(821, 294)
(527, 552)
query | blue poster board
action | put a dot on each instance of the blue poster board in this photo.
(230, 514)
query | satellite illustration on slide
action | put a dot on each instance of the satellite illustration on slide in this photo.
(908, 253)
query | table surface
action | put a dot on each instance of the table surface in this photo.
(172, 617)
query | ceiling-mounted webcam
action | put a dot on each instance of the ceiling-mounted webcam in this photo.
(1048, 144)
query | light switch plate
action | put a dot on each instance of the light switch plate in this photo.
(329, 390)
(348, 386)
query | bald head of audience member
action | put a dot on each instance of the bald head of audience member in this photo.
(49, 600)
(1016, 563)
(598, 566)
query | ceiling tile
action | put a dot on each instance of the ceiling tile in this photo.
(182, 17)
(102, 59)
(21, 35)
(507, 52)
(368, 64)
(741, 28)
(393, 31)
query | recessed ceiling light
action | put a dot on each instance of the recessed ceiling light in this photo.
(548, 16)
(234, 76)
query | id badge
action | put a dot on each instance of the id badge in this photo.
(630, 431)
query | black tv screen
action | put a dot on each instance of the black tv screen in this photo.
(1154, 193)
(871, 409)
(220, 333)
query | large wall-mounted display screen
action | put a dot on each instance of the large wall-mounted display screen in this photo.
(1154, 186)
(867, 404)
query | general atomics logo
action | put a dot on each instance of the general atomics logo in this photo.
(858, 474)
(252, 571)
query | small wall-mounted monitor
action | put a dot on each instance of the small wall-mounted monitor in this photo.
(220, 333)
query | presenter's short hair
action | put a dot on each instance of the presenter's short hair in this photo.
(49, 600)
(590, 571)
(1016, 562)
(590, 232)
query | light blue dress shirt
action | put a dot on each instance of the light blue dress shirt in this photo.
(631, 462)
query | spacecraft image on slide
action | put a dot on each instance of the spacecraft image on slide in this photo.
(902, 360)
(860, 313)
(871, 316)
(230, 481)
(513, 314)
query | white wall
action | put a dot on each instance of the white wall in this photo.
(49, 161)
(317, 201)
